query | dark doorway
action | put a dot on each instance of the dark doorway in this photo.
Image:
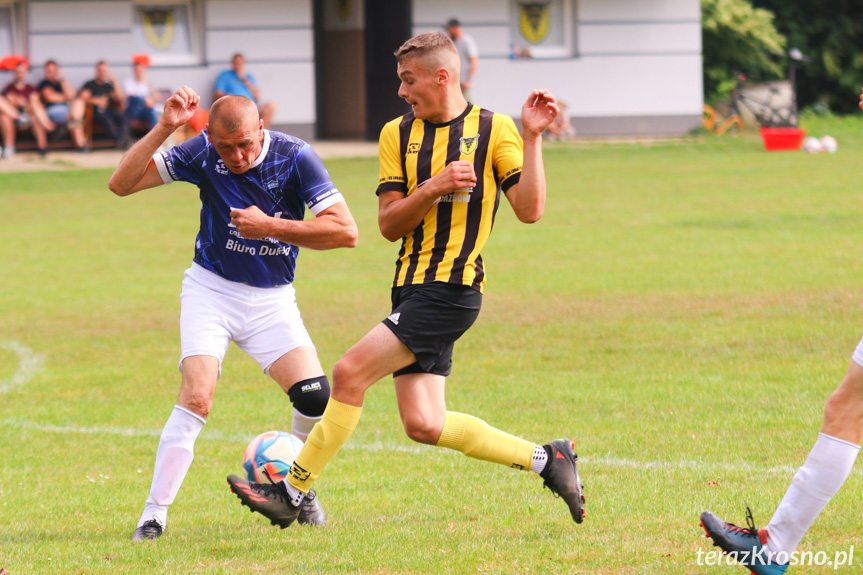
(388, 26)
(340, 74)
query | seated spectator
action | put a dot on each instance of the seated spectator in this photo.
(561, 128)
(106, 96)
(140, 97)
(238, 82)
(61, 103)
(30, 113)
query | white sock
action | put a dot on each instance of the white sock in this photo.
(301, 425)
(540, 458)
(295, 494)
(826, 468)
(173, 459)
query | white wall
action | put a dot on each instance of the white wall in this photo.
(632, 58)
(638, 59)
(277, 40)
(274, 35)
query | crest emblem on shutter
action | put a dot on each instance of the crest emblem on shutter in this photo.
(158, 27)
(534, 21)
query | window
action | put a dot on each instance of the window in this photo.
(542, 28)
(11, 33)
(167, 31)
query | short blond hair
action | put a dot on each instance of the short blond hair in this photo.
(434, 49)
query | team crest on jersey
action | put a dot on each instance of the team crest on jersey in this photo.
(468, 145)
(221, 167)
(272, 184)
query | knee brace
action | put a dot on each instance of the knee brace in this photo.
(310, 396)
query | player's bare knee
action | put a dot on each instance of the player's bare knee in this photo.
(345, 375)
(843, 410)
(199, 404)
(422, 430)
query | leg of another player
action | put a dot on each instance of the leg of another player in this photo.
(300, 375)
(7, 127)
(843, 414)
(826, 468)
(177, 443)
(301, 367)
(376, 355)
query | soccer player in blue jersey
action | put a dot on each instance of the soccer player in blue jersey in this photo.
(254, 186)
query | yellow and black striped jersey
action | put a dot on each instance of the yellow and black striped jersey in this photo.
(446, 246)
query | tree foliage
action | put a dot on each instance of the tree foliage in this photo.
(736, 37)
(831, 33)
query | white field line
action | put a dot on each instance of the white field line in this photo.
(29, 364)
(244, 438)
(206, 435)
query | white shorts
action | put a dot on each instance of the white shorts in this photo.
(263, 322)
(857, 356)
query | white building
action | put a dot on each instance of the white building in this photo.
(624, 67)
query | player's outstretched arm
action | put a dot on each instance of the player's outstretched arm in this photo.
(332, 228)
(137, 171)
(527, 197)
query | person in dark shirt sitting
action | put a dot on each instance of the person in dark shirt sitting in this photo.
(62, 104)
(106, 96)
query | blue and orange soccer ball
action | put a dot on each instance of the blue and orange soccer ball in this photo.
(273, 451)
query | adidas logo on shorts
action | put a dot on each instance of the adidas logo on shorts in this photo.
(394, 317)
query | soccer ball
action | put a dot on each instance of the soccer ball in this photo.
(273, 452)
(828, 144)
(812, 145)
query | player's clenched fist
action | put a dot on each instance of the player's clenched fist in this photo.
(252, 223)
(457, 175)
(180, 107)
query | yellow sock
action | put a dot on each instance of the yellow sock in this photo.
(475, 438)
(327, 437)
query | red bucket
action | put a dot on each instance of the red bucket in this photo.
(779, 139)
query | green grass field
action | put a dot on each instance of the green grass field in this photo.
(682, 311)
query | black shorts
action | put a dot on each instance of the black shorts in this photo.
(428, 318)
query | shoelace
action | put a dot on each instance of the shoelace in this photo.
(750, 528)
(271, 489)
(308, 497)
(152, 526)
(267, 475)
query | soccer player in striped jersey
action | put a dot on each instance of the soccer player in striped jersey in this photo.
(442, 169)
(255, 185)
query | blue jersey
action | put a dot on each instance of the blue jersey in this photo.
(283, 180)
